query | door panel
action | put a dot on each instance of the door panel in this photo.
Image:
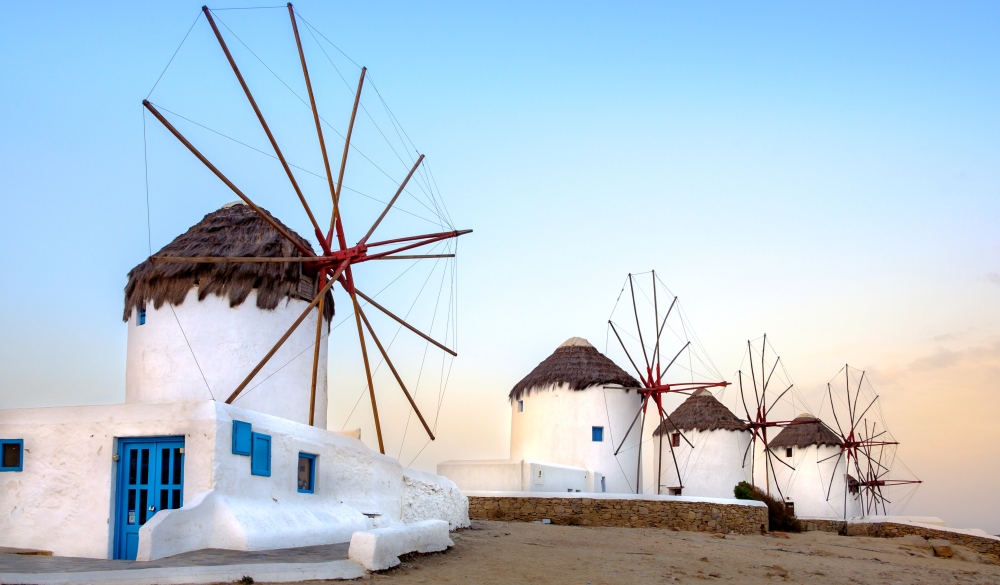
(151, 478)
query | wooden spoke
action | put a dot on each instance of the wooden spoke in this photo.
(673, 455)
(451, 234)
(622, 343)
(437, 238)
(775, 402)
(415, 257)
(368, 370)
(676, 356)
(399, 380)
(638, 328)
(228, 259)
(288, 333)
(263, 123)
(335, 217)
(642, 405)
(315, 111)
(265, 216)
(372, 302)
(392, 201)
(315, 370)
(768, 458)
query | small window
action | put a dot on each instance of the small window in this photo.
(788, 452)
(11, 454)
(675, 441)
(260, 454)
(674, 491)
(141, 318)
(307, 473)
(520, 406)
(604, 486)
(597, 434)
(790, 508)
(241, 437)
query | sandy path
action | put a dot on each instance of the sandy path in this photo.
(499, 552)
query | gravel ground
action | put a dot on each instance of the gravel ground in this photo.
(501, 552)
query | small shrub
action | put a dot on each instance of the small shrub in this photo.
(246, 580)
(778, 515)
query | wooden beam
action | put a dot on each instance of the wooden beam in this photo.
(399, 380)
(347, 147)
(372, 302)
(368, 370)
(263, 123)
(393, 200)
(288, 333)
(265, 216)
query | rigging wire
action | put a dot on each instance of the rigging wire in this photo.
(177, 50)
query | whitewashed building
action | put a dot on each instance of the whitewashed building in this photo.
(565, 415)
(174, 468)
(712, 464)
(820, 485)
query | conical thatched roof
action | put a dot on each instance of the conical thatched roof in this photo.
(234, 230)
(701, 412)
(576, 364)
(809, 431)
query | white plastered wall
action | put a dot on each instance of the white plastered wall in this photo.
(712, 468)
(63, 499)
(526, 476)
(555, 427)
(806, 486)
(168, 355)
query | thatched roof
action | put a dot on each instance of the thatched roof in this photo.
(701, 412)
(576, 364)
(234, 230)
(809, 431)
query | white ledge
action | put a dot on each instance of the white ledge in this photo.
(608, 496)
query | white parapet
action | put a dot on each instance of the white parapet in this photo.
(379, 549)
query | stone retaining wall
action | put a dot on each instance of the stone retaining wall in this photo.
(810, 524)
(988, 547)
(632, 513)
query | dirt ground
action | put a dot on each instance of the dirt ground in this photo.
(502, 552)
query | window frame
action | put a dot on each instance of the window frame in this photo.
(257, 466)
(675, 439)
(788, 451)
(312, 472)
(597, 434)
(20, 459)
(140, 318)
(520, 406)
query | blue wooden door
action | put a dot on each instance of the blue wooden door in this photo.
(150, 478)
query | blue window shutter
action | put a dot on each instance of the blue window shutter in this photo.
(141, 320)
(241, 438)
(597, 434)
(11, 454)
(260, 457)
(307, 473)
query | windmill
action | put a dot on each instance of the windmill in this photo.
(763, 364)
(686, 370)
(867, 446)
(337, 260)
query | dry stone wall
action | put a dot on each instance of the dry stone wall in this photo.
(810, 524)
(632, 513)
(988, 547)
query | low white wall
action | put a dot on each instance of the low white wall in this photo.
(167, 356)
(380, 549)
(68, 456)
(501, 474)
(519, 476)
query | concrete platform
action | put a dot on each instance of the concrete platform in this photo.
(204, 566)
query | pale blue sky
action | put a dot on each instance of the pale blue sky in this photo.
(823, 173)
